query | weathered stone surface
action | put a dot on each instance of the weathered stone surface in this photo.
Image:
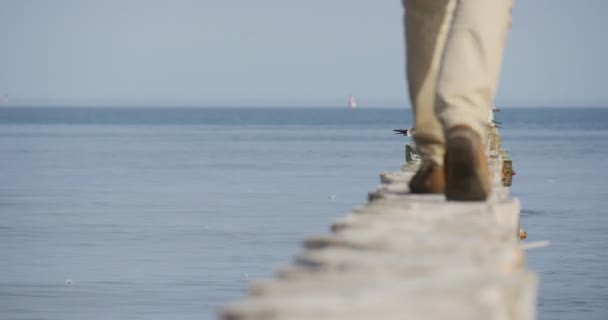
(470, 296)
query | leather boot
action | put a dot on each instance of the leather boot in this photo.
(466, 169)
(428, 179)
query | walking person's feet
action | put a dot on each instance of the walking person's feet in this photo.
(466, 170)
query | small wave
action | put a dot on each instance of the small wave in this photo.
(532, 212)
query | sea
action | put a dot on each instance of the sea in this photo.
(168, 213)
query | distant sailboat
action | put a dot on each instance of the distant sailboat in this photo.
(352, 103)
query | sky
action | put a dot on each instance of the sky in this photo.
(273, 53)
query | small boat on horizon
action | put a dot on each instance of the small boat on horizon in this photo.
(352, 103)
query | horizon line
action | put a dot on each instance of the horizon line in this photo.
(275, 106)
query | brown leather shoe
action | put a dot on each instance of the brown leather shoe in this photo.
(466, 169)
(429, 179)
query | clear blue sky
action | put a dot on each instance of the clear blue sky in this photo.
(273, 52)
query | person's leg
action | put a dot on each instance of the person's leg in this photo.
(465, 91)
(471, 63)
(426, 27)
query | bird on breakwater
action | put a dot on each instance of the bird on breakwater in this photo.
(409, 132)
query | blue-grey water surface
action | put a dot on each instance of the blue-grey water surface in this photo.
(167, 213)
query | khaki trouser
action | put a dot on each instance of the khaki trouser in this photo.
(454, 51)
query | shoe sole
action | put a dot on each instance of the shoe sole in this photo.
(464, 180)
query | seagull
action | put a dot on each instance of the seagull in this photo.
(406, 132)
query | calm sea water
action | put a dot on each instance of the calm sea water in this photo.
(166, 213)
